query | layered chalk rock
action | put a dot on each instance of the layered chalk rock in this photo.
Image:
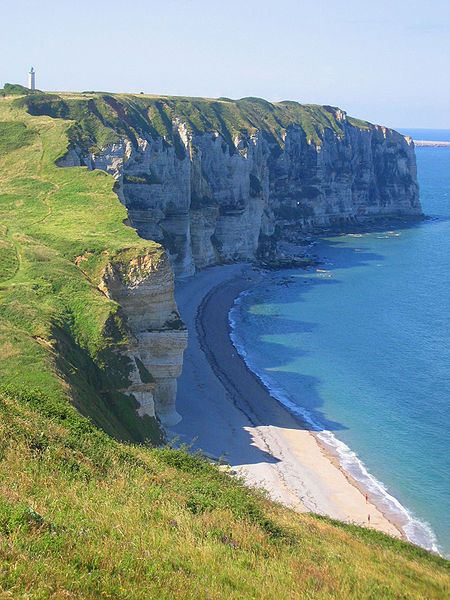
(210, 199)
(143, 287)
(216, 181)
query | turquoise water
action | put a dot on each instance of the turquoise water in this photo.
(360, 350)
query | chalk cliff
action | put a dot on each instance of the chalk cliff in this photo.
(225, 192)
(143, 287)
(217, 181)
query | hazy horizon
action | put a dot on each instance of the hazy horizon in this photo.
(384, 63)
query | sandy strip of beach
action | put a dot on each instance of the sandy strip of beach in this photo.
(228, 413)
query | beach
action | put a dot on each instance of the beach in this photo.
(230, 415)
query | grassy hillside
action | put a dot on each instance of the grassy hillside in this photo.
(83, 515)
(58, 332)
(102, 118)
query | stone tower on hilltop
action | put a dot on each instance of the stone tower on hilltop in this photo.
(32, 79)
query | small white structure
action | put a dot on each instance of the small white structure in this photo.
(32, 79)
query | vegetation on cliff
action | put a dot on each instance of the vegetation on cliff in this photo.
(102, 118)
(58, 230)
(83, 515)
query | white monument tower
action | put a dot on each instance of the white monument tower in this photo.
(32, 79)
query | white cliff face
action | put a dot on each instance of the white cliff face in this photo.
(144, 289)
(208, 201)
(366, 173)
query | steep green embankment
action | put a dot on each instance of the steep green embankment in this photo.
(82, 516)
(58, 332)
(85, 516)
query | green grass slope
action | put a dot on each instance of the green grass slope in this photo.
(58, 332)
(83, 515)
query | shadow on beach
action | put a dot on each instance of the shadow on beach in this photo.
(219, 419)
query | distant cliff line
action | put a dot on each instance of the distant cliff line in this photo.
(431, 143)
(223, 180)
(215, 181)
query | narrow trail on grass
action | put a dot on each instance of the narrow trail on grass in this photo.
(9, 237)
(45, 199)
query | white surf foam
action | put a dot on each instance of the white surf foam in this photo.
(417, 531)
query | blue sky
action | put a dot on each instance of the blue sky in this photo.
(385, 61)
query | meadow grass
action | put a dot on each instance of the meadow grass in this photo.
(84, 516)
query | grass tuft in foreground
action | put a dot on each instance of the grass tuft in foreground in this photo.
(84, 516)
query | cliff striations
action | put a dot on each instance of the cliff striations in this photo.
(218, 180)
(143, 287)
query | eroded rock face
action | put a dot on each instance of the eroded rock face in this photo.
(209, 201)
(144, 289)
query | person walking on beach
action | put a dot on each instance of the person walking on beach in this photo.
(368, 519)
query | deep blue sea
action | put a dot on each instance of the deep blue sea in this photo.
(359, 347)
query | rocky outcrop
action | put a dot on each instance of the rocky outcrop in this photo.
(143, 287)
(210, 199)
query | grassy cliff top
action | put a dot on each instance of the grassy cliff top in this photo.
(102, 118)
(58, 332)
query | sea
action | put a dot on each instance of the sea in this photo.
(358, 348)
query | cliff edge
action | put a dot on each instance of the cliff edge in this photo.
(87, 313)
(225, 180)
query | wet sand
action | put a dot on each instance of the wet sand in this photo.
(228, 413)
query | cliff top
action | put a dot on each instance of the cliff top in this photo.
(102, 118)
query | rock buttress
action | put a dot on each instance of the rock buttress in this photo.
(143, 287)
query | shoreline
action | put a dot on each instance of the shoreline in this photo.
(237, 417)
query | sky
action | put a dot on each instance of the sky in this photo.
(387, 61)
